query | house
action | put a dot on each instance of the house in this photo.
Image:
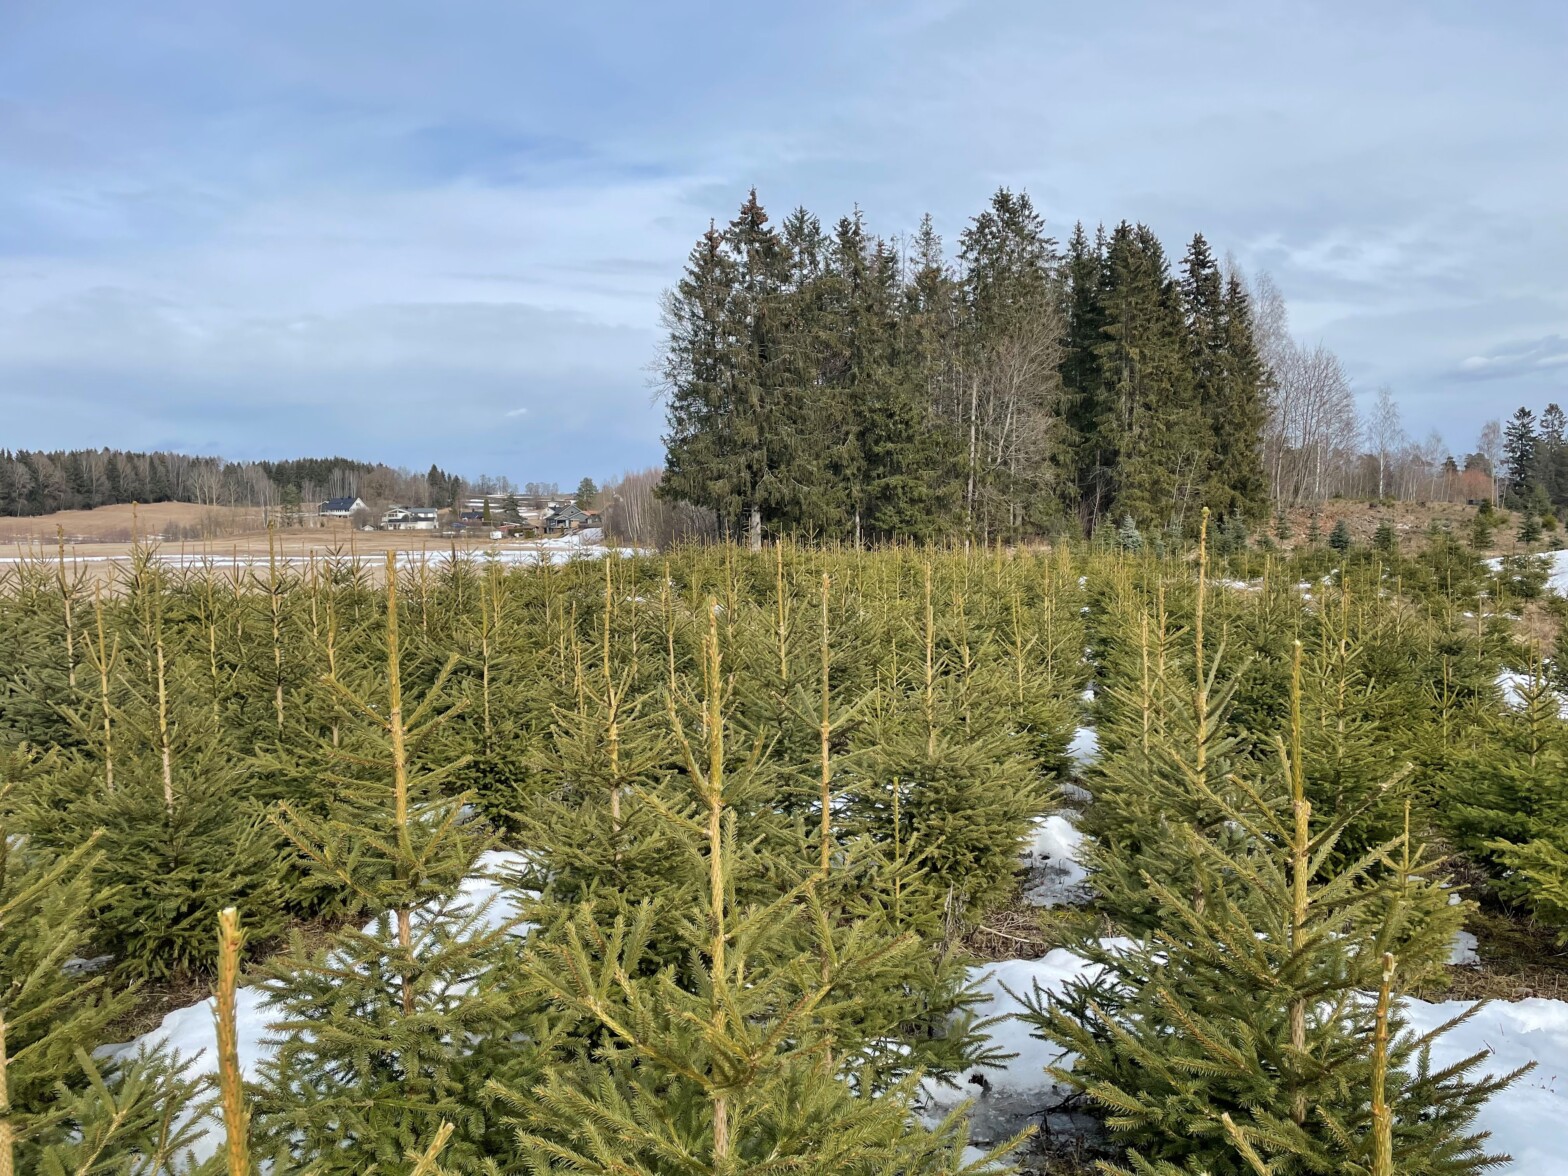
(564, 519)
(410, 518)
(340, 508)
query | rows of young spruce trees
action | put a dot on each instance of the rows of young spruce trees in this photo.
(754, 804)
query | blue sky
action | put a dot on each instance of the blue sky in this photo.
(424, 232)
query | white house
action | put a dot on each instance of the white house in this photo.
(410, 518)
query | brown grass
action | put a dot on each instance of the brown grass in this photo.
(1519, 959)
(119, 523)
(99, 538)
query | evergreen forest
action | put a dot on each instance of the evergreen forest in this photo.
(826, 382)
(693, 863)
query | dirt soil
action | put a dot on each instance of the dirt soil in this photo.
(1410, 521)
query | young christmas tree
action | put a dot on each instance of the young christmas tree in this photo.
(727, 1063)
(1248, 1001)
(156, 780)
(61, 1111)
(967, 791)
(386, 1032)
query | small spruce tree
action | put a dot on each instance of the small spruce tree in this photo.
(1128, 537)
(1243, 1016)
(388, 1031)
(1339, 537)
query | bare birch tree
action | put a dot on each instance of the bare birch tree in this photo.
(1385, 435)
(1490, 446)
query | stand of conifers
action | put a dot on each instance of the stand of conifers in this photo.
(740, 818)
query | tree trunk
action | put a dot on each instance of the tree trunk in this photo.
(754, 529)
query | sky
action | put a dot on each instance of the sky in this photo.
(423, 232)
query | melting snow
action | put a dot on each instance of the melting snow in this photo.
(191, 1032)
(1529, 1120)
(1055, 877)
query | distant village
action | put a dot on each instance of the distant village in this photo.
(494, 516)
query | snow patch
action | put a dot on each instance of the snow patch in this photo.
(1018, 1092)
(1054, 875)
(1513, 684)
(1462, 951)
(1085, 746)
(1528, 1121)
(1557, 578)
(191, 1032)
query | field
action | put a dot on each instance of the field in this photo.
(100, 543)
(734, 853)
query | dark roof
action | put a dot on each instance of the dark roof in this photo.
(339, 504)
(567, 513)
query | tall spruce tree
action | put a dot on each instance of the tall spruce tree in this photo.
(1519, 450)
(1150, 417)
(1010, 405)
(1551, 456)
(1082, 382)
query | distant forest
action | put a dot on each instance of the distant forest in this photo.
(36, 482)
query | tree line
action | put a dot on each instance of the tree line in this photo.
(833, 383)
(837, 383)
(37, 482)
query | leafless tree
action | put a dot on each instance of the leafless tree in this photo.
(1385, 435)
(1312, 432)
(1490, 446)
(634, 514)
(1013, 422)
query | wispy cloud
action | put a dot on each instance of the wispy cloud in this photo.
(1541, 355)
